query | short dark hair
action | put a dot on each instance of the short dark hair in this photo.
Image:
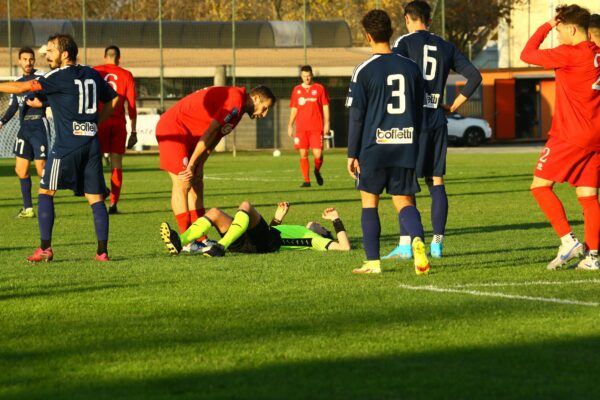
(573, 14)
(264, 93)
(377, 23)
(418, 10)
(66, 43)
(306, 68)
(112, 51)
(26, 50)
(594, 21)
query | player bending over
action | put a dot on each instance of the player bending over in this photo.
(572, 152)
(248, 232)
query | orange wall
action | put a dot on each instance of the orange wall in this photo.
(489, 101)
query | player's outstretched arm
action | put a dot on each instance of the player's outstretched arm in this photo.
(282, 209)
(343, 243)
(20, 87)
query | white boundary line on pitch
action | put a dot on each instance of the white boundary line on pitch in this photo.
(501, 295)
(527, 283)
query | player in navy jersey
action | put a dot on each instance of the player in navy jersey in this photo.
(31, 143)
(385, 97)
(74, 162)
(435, 57)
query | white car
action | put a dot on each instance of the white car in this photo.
(467, 130)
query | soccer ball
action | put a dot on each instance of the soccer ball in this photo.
(276, 153)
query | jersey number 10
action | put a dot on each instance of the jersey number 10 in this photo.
(87, 96)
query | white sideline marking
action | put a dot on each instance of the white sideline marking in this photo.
(529, 283)
(502, 295)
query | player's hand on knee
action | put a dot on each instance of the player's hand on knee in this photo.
(186, 175)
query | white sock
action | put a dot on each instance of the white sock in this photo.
(404, 241)
(437, 239)
(568, 240)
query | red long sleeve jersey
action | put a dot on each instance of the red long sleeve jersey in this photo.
(122, 82)
(577, 69)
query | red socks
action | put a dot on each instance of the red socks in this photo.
(304, 167)
(318, 163)
(553, 209)
(116, 181)
(195, 214)
(183, 221)
(591, 221)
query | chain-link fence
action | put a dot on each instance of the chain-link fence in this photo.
(174, 47)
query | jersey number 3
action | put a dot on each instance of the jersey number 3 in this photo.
(397, 81)
(87, 96)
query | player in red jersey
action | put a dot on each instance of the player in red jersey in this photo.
(113, 132)
(572, 153)
(310, 111)
(190, 130)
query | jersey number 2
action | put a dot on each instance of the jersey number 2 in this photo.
(397, 81)
(87, 96)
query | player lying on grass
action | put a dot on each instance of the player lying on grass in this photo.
(248, 232)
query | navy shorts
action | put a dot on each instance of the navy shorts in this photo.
(32, 140)
(80, 171)
(260, 239)
(433, 146)
(397, 181)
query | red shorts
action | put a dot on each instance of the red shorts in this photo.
(564, 162)
(308, 140)
(112, 135)
(174, 146)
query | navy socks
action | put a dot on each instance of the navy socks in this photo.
(410, 219)
(101, 224)
(26, 192)
(371, 229)
(45, 219)
(439, 209)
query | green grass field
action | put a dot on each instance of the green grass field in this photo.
(488, 322)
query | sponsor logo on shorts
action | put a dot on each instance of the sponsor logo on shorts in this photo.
(226, 129)
(84, 128)
(432, 100)
(296, 140)
(394, 136)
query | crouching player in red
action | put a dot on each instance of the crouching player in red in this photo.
(248, 232)
(572, 153)
(190, 130)
(113, 132)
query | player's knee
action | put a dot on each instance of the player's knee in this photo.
(245, 206)
(21, 172)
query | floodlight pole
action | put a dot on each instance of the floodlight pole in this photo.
(304, 36)
(84, 32)
(9, 37)
(443, 19)
(233, 65)
(161, 66)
